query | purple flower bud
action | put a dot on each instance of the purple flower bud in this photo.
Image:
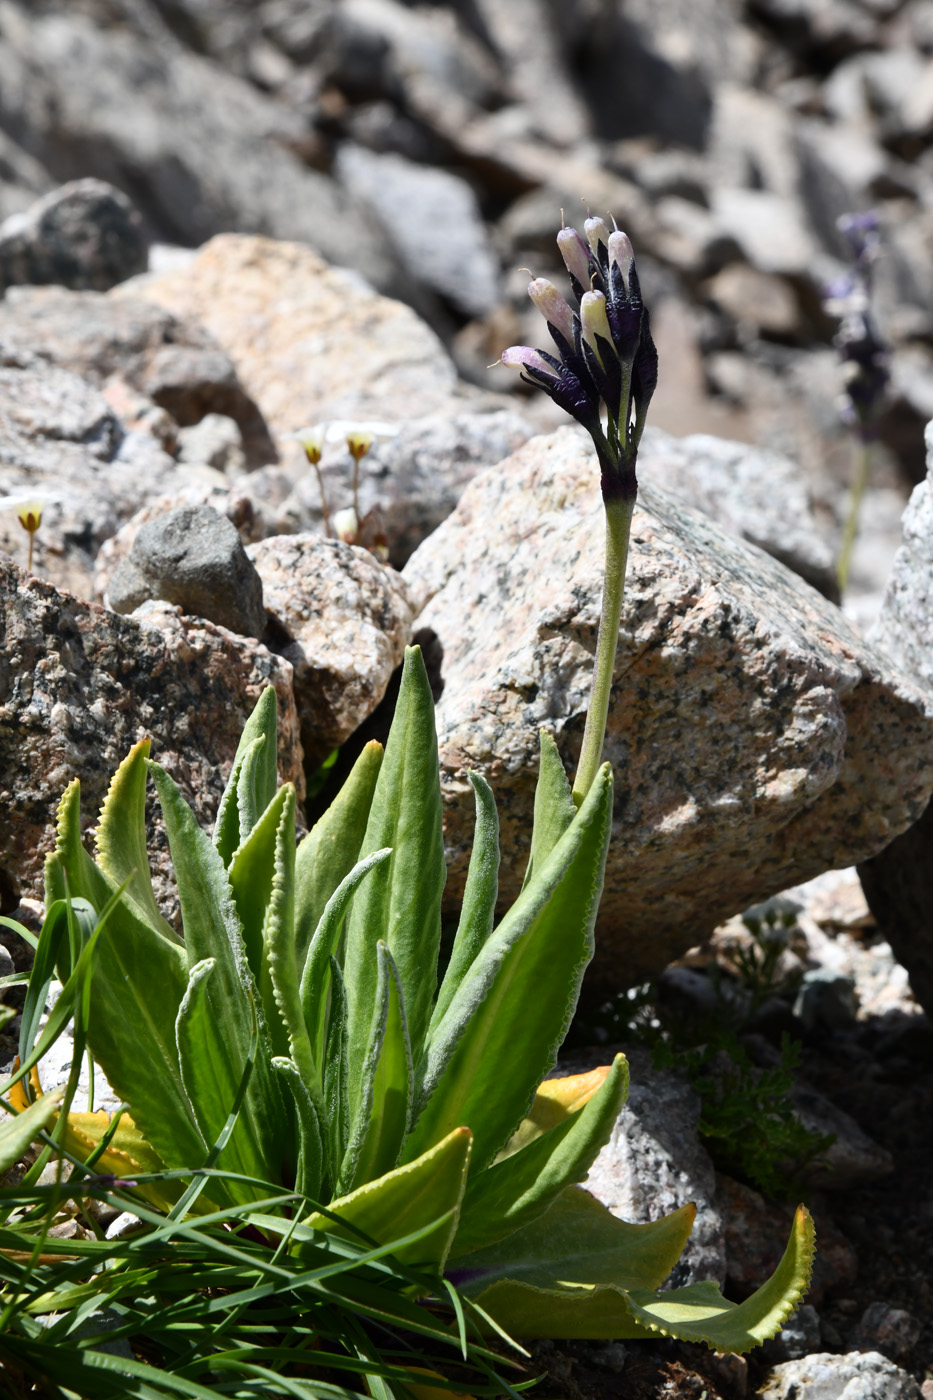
(552, 306)
(524, 357)
(576, 255)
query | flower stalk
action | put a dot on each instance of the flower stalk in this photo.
(604, 374)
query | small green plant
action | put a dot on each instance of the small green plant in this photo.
(298, 1034)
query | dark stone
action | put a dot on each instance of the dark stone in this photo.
(193, 557)
(86, 235)
(897, 885)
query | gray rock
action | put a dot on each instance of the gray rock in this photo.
(80, 685)
(824, 1376)
(892, 1331)
(851, 1160)
(85, 235)
(746, 716)
(826, 998)
(526, 35)
(433, 221)
(761, 496)
(192, 557)
(771, 231)
(800, 1336)
(898, 882)
(61, 444)
(209, 151)
(170, 359)
(343, 620)
(654, 1163)
(216, 442)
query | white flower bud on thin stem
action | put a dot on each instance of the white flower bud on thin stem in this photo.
(622, 254)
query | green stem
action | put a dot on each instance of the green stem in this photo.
(850, 530)
(618, 529)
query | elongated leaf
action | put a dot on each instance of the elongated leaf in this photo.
(479, 897)
(314, 977)
(121, 838)
(510, 1195)
(554, 1101)
(138, 981)
(250, 872)
(400, 903)
(127, 1156)
(510, 1014)
(278, 936)
(554, 805)
(310, 1165)
(331, 848)
(408, 1199)
(699, 1313)
(569, 1306)
(578, 1243)
(383, 1105)
(53, 952)
(212, 932)
(19, 1130)
(251, 785)
(336, 1075)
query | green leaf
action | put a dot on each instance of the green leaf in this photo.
(212, 931)
(310, 1166)
(278, 935)
(406, 1200)
(401, 901)
(316, 973)
(251, 871)
(479, 897)
(510, 1195)
(554, 805)
(576, 1244)
(251, 785)
(121, 837)
(18, 1131)
(138, 981)
(382, 1103)
(570, 1305)
(336, 1072)
(510, 1015)
(331, 848)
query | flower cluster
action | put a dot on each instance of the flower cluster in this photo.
(605, 354)
(863, 352)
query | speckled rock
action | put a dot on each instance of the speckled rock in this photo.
(79, 685)
(343, 621)
(86, 234)
(898, 883)
(761, 496)
(309, 341)
(170, 359)
(193, 557)
(747, 716)
(654, 1163)
(824, 1376)
(61, 444)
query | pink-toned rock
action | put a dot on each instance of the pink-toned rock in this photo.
(345, 619)
(755, 738)
(309, 341)
(79, 685)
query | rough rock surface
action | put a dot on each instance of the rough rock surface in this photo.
(192, 557)
(79, 685)
(309, 341)
(824, 1376)
(898, 882)
(170, 359)
(61, 444)
(85, 235)
(342, 620)
(747, 716)
(654, 1163)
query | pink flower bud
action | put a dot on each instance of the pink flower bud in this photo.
(575, 254)
(552, 306)
(523, 357)
(621, 253)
